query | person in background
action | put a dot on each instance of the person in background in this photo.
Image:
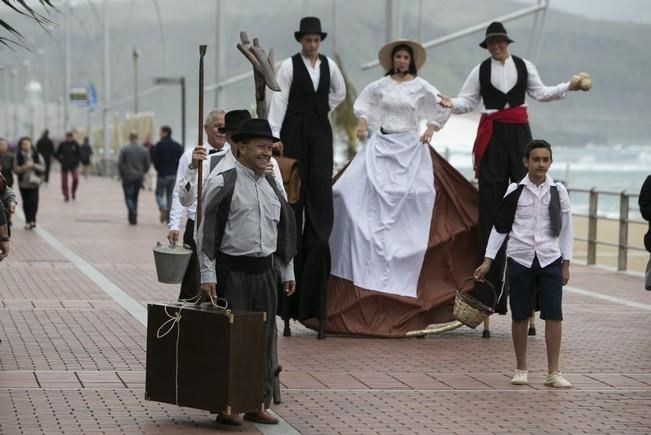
(644, 200)
(165, 157)
(8, 200)
(7, 163)
(133, 163)
(30, 167)
(68, 156)
(45, 148)
(85, 154)
(148, 182)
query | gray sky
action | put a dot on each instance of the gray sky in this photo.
(638, 11)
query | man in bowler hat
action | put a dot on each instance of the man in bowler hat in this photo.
(311, 86)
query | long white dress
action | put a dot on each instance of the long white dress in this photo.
(384, 200)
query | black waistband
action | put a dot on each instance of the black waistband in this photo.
(245, 263)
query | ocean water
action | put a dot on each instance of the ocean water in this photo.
(614, 168)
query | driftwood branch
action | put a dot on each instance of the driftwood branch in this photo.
(263, 71)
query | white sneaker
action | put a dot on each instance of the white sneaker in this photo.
(557, 380)
(520, 377)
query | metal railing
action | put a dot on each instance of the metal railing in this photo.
(623, 220)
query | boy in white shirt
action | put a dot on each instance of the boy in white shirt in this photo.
(535, 215)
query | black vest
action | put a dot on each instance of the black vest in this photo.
(302, 98)
(506, 211)
(493, 97)
(216, 216)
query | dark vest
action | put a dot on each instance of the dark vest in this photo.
(302, 98)
(493, 97)
(216, 216)
(506, 211)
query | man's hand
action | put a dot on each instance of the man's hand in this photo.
(12, 207)
(277, 148)
(199, 153)
(483, 269)
(269, 169)
(4, 249)
(289, 287)
(173, 236)
(565, 272)
(445, 101)
(209, 289)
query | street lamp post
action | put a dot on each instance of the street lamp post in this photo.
(176, 81)
(136, 53)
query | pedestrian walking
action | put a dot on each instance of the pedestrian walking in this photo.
(30, 167)
(133, 163)
(45, 148)
(148, 182)
(535, 215)
(165, 158)
(68, 155)
(85, 156)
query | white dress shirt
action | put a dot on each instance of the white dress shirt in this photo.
(252, 226)
(531, 234)
(285, 75)
(504, 77)
(186, 186)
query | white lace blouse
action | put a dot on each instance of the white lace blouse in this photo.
(400, 106)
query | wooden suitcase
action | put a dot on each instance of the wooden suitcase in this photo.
(206, 358)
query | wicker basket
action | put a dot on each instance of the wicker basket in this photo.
(469, 310)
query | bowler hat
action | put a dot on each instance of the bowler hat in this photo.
(254, 128)
(310, 25)
(495, 30)
(233, 120)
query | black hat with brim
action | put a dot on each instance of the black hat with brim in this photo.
(495, 30)
(310, 25)
(233, 120)
(253, 128)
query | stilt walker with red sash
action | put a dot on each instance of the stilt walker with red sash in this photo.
(501, 83)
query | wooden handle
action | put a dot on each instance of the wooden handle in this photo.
(202, 53)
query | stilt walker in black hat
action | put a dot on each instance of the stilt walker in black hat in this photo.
(501, 83)
(311, 86)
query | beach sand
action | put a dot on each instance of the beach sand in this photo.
(608, 231)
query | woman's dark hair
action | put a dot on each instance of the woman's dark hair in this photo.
(537, 143)
(412, 64)
(20, 141)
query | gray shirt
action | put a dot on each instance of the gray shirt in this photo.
(133, 162)
(252, 226)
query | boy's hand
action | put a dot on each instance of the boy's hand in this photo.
(483, 269)
(565, 272)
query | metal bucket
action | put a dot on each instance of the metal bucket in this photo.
(171, 262)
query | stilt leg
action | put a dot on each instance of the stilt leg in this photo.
(486, 333)
(532, 324)
(287, 331)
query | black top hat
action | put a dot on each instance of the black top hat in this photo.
(494, 30)
(254, 128)
(310, 25)
(233, 120)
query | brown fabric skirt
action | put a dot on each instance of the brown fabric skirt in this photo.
(450, 258)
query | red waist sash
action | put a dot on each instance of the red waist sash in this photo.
(512, 115)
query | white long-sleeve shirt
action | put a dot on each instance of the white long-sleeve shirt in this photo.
(531, 234)
(251, 228)
(504, 77)
(285, 75)
(184, 203)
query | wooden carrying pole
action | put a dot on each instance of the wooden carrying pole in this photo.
(202, 53)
